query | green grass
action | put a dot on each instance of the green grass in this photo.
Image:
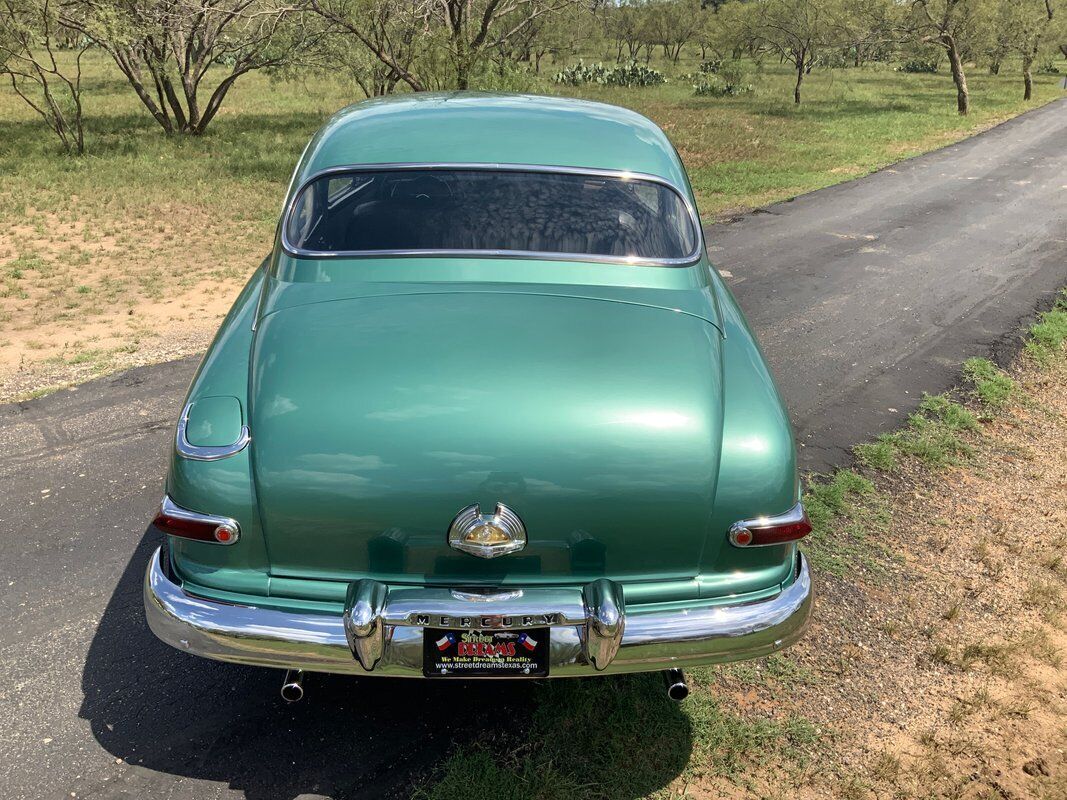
(778, 673)
(846, 514)
(992, 387)
(934, 435)
(1049, 334)
(879, 454)
(617, 737)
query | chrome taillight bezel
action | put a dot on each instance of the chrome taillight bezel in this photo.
(214, 529)
(746, 533)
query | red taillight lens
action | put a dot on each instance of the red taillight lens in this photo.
(766, 531)
(174, 520)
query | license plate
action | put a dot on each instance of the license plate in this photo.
(497, 654)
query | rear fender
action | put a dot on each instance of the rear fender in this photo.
(222, 486)
(757, 467)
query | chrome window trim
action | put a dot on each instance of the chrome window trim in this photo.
(793, 515)
(299, 252)
(187, 449)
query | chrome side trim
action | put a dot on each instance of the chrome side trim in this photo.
(195, 452)
(171, 509)
(651, 640)
(793, 515)
(688, 260)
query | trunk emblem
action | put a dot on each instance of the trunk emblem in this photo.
(487, 535)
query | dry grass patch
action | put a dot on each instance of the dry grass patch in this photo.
(942, 675)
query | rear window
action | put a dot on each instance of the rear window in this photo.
(491, 211)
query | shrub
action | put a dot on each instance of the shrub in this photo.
(835, 59)
(579, 73)
(711, 66)
(1049, 69)
(632, 74)
(728, 82)
(635, 74)
(714, 88)
(919, 65)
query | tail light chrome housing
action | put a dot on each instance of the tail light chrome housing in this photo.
(174, 520)
(768, 531)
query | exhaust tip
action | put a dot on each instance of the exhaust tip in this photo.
(677, 688)
(293, 686)
(677, 692)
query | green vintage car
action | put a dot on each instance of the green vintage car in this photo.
(486, 411)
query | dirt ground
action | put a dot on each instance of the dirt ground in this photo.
(936, 668)
(74, 303)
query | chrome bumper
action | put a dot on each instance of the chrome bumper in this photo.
(381, 631)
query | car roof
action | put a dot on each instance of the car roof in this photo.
(475, 127)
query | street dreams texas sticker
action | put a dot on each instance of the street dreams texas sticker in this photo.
(458, 654)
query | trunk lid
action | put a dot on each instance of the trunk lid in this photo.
(375, 420)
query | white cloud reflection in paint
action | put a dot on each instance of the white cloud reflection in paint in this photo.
(748, 444)
(656, 419)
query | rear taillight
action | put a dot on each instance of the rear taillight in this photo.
(177, 521)
(765, 531)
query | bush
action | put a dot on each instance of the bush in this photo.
(1049, 69)
(502, 76)
(711, 66)
(835, 59)
(714, 88)
(580, 73)
(632, 74)
(729, 82)
(635, 74)
(919, 65)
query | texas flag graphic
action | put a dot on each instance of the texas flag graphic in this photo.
(446, 641)
(527, 641)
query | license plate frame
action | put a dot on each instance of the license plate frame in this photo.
(450, 653)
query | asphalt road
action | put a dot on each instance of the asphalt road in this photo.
(864, 295)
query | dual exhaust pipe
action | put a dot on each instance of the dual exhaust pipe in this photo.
(673, 679)
(677, 688)
(293, 686)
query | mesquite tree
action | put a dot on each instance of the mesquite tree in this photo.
(166, 47)
(454, 37)
(797, 30)
(625, 23)
(1022, 24)
(951, 25)
(29, 32)
(673, 23)
(390, 34)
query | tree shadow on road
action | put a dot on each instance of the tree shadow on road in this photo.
(176, 714)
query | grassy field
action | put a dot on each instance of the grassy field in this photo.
(133, 252)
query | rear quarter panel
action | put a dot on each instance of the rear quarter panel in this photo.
(757, 469)
(209, 486)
